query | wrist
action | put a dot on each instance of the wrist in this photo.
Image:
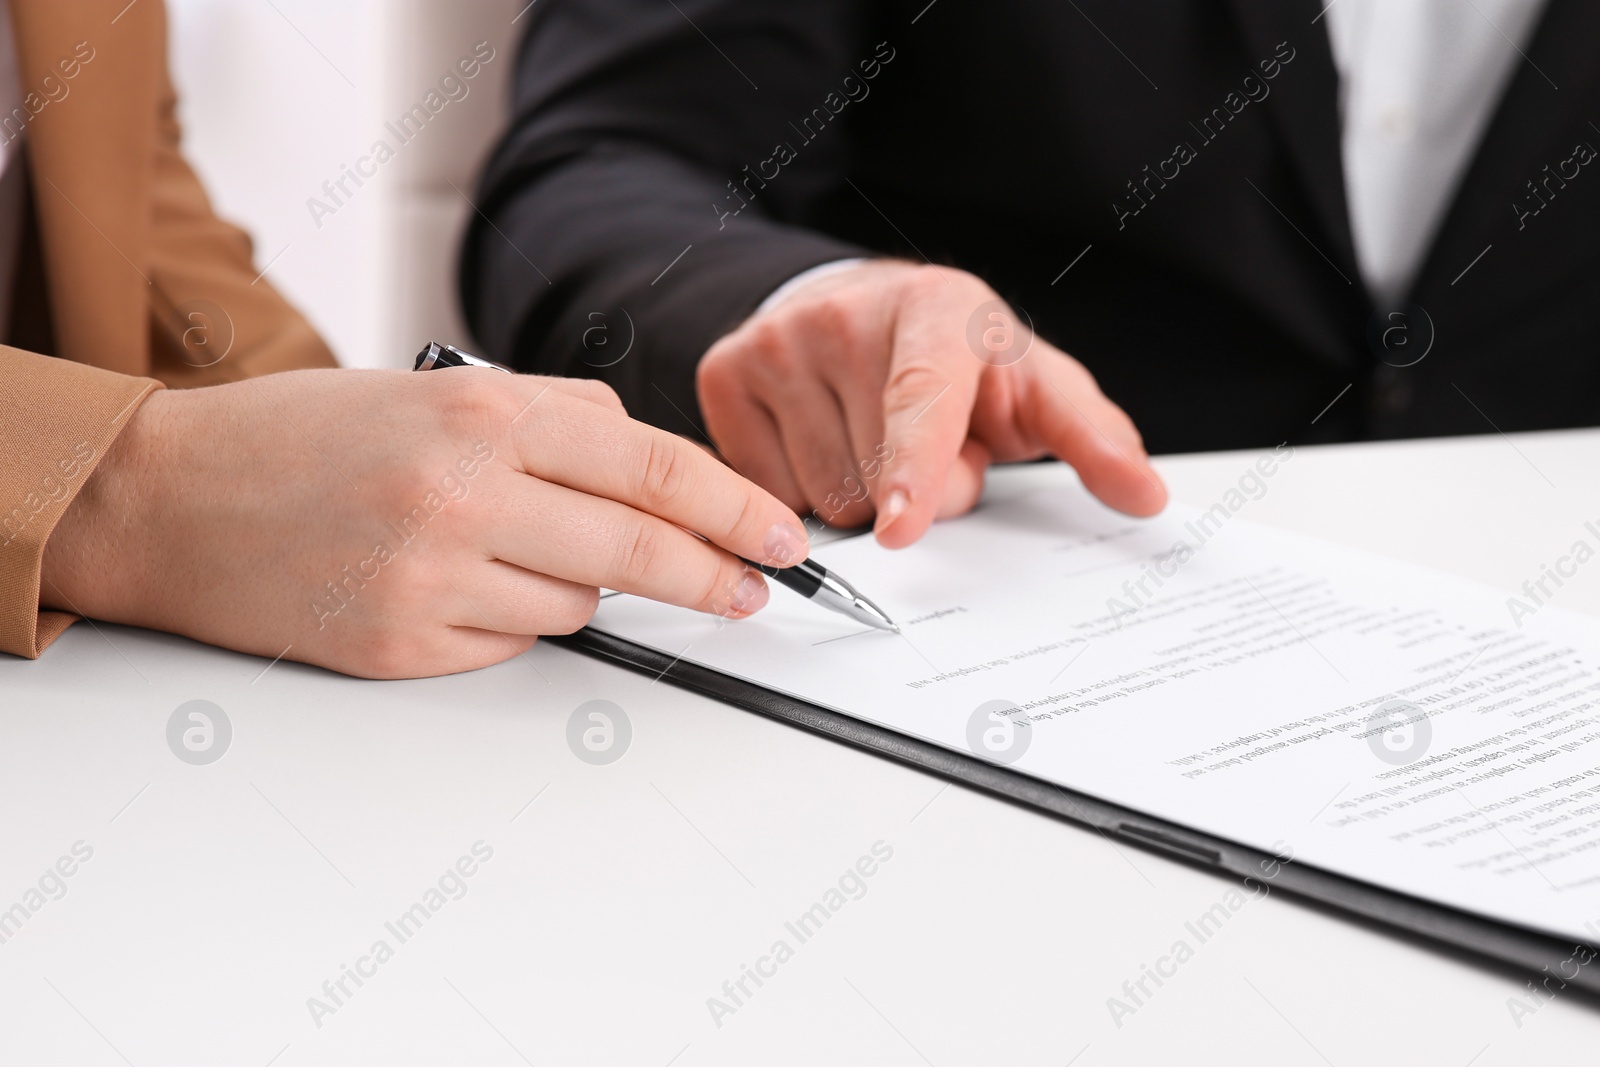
(806, 278)
(97, 560)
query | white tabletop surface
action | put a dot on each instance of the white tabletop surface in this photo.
(620, 897)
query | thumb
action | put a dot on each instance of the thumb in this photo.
(1064, 408)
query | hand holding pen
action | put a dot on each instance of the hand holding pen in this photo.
(781, 549)
(398, 525)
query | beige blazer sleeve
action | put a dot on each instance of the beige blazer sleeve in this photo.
(215, 319)
(57, 419)
(147, 286)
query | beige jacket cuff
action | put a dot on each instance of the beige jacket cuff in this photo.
(57, 420)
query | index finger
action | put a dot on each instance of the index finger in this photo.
(927, 407)
(606, 454)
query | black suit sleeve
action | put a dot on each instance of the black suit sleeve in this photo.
(631, 118)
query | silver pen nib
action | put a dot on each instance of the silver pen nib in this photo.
(839, 595)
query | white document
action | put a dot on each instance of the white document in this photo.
(1383, 721)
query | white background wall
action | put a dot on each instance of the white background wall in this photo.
(278, 96)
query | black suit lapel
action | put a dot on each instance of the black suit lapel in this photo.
(1304, 110)
(1543, 111)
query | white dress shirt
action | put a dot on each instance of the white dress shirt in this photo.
(1418, 84)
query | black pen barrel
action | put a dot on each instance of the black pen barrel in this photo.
(804, 578)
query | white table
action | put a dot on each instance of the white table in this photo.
(620, 897)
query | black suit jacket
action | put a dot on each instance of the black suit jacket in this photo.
(1180, 156)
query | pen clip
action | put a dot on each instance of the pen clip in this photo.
(435, 355)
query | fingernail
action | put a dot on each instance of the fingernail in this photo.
(892, 509)
(785, 545)
(1127, 448)
(751, 596)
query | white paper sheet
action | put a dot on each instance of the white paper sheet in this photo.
(1377, 719)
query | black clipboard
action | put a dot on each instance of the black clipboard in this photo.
(1550, 961)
